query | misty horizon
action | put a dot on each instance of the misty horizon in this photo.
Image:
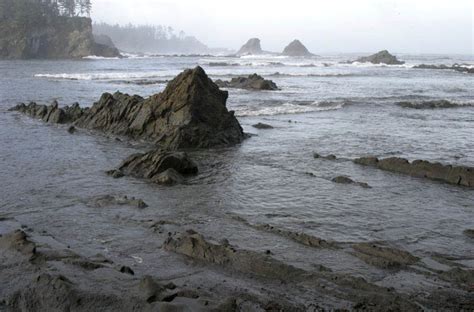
(400, 26)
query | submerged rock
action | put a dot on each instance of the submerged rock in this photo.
(383, 256)
(111, 200)
(328, 157)
(262, 126)
(251, 47)
(296, 48)
(469, 233)
(382, 57)
(431, 104)
(252, 82)
(347, 180)
(158, 166)
(457, 175)
(455, 67)
(190, 113)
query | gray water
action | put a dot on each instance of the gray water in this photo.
(48, 176)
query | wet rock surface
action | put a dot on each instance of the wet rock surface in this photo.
(262, 126)
(296, 48)
(456, 175)
(431, 104)
(190, 113)
(327, 157)
(347, 180)
(252, 82)
(111, 200)
(382, 57)
(159, 166)
(383, 256)
(456, 67)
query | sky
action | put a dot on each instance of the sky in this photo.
(324, 26)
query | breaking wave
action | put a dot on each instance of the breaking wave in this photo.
(290, 108)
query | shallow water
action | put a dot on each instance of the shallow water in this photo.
(48, 175)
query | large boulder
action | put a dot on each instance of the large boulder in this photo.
(252, 47)
(190, 113)
(457, 175)
(158, 166)
(382, 57)
(296, 48)
(252, 82)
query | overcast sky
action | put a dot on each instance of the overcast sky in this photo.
(412, 26)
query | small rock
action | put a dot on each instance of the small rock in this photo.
(262, 126)
(116, 174)
(127, 270)
(71, 129)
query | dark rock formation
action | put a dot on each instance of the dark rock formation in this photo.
(346, 180)
(57, 38)
(251, 47)
(52, 113)
(328, 157)
(469, 233)
(431, 104)
(262, 126)
(161, 167)
(252, 82)
(382, 57)
(296, 48)
(190, 113)
(455, 67)
(383, 256)
(457, 175)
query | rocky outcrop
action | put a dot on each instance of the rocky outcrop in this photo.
(382, 57)
(456, 67)
(252, 47)
(190, 113)
(262, 126)
(52, 113)
(252, 82)
(161, 167)
(56, 38)
(347, 180)
(383, 256)
(431, 104)
(457, 175)
(296, 48)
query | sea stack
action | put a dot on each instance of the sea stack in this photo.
(296, 48)
(251, 47)
(382, 57)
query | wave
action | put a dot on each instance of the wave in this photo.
(288, 108)
(95, 57)
(108, 75)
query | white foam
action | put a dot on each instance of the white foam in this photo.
(107, 76)
(290, 108)
(95, 57)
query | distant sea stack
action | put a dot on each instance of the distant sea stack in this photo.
(33, 30)
(251, 47)
(382, 57)
(296, 48)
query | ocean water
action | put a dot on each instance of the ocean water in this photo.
(48, 176)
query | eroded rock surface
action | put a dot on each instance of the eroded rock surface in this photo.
(457, 175)
(190, 113)
(252, 82)
(158, 166)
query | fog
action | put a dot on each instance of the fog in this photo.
(403, 26)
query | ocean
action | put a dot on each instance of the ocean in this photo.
(49, 176)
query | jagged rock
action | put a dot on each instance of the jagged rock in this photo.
(347, 180)
(456, 67)
(431, 104)
(251, 47)
(383, 256)
(382, 57)
(457, 175)
(190, 113)
(262, 126)
(296, 48)
(252, 82)
(161, 167)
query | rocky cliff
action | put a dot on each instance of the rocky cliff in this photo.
(252, 47)
(54, 38)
